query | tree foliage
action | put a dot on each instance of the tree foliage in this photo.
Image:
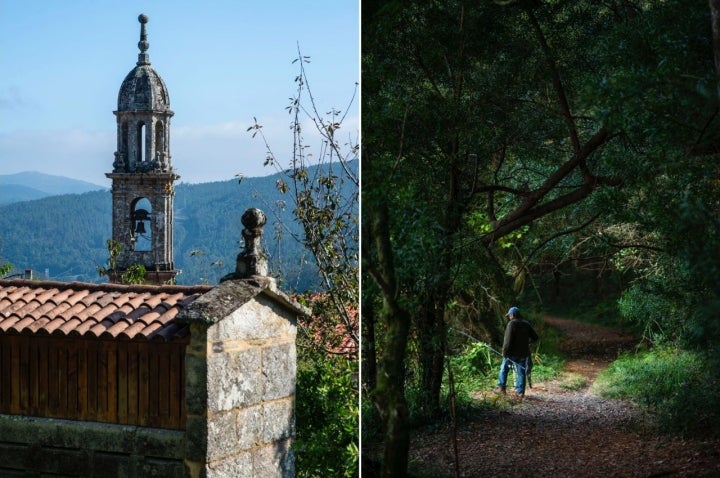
(135, 274)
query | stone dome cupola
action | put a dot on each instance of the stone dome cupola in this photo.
(143, 88)
(143, 117)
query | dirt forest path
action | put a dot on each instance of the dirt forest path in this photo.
(556, 432)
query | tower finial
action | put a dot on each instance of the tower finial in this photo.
(252, 261)
(143, 45)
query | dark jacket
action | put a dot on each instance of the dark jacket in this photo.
(518, 336)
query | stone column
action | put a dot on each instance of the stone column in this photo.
(240, 379)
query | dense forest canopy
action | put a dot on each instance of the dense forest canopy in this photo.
(508, 138)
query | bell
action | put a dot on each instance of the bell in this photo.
(140, 227)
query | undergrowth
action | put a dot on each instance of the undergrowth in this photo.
(669, 382)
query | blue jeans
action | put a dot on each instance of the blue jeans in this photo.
(520, 364)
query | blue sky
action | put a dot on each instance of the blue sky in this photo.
(223, 61)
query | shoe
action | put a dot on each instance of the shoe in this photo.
(518, 396)
(500, 390)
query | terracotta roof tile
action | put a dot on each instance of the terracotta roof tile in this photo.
(92, 311)
(88, 298)
(105, 312)
(5, 303)
(149, 317)
(52, 326)
(58, 311)
(46, 295)
(95, 310)
(172, 331)
(132, 330)
(22, 323)
(118, 300)
(9, 322)
(18, 303)
(77, 311)
(116, 329)
(62, 296)
(22, 308)
(98, 329)
(83, 328)
(37, 325)
(18, 292)
(167, 316)
(138, 300)
(67, 327)
(151, 330)
(153, 301)
(42, 309)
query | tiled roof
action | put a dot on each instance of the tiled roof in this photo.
(112, 311)
(337, 338)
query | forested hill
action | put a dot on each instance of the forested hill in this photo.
(66, 235)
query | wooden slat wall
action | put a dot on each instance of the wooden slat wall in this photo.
(130, 383)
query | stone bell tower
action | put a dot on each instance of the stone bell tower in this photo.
(142, 176)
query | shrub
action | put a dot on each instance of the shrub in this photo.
(672, 383)
(327, 416)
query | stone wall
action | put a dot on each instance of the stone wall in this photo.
(43, 447)
(241, 367)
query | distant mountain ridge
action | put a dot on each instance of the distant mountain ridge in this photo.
(31, 185)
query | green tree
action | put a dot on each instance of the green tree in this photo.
(325, 199)
(135, 274)
(325, 202)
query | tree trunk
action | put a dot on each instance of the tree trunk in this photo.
(389, 394)
(431, 342)
(369, 354)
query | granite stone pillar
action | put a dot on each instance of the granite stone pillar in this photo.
(240, 379)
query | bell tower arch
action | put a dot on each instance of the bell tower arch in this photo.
(143, 177)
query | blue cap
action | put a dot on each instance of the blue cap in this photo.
(513, 310)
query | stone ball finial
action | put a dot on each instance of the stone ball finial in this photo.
(143, 45)
(253, 218)
(252, 261)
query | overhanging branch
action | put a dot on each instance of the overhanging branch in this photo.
(559, 234)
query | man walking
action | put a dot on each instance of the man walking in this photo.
(519, 334)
